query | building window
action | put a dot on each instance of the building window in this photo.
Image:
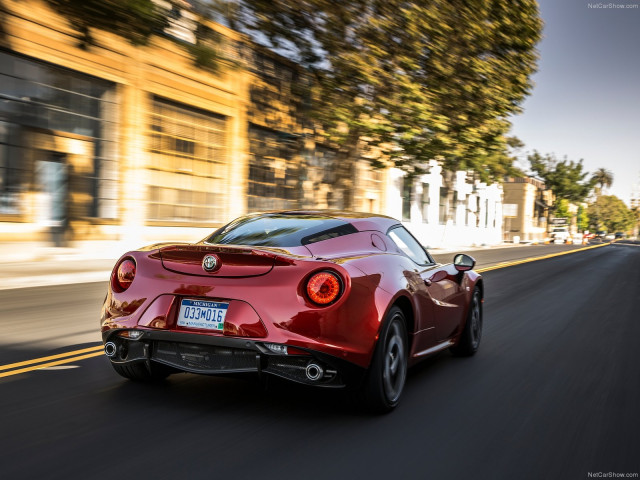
(39, 100)
(425, 202)
(273, 171)
(188, 169)
(368, 187)
(407, 194)
(12, 170)
(322, 165)
(486, 213)
(467, 211)
(454, 207)
(443, 207)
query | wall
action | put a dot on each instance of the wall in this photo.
(475, 220)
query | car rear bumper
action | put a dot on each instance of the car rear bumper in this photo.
(217, 355)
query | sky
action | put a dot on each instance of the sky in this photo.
(586, 99)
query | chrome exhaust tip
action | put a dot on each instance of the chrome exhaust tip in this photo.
(314, 372)
(110, 349)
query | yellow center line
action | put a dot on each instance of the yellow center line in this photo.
(51, 357)
(533, 259)
(50, 364)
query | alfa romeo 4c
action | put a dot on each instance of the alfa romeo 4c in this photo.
(331, 299)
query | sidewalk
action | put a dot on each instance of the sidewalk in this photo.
(33, 264)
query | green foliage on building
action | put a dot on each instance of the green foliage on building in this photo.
(136, 21)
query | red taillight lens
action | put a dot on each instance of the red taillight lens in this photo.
(125, 273)
(324, 288)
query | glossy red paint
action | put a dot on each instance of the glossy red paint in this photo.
(265, 290)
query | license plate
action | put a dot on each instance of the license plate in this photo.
(202, 314)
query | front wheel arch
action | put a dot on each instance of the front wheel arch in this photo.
(469, 340)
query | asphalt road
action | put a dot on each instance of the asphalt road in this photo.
(553, 393)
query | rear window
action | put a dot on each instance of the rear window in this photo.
(280, 230)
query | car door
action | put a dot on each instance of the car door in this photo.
(444, 288)
(440, 281)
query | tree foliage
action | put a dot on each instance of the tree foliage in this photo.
(565, 178)
(602, 178)
(583, 219)
(610, 213)
(414, 80)
(561, 209)
(136, 21)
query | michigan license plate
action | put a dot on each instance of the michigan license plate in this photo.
(202, 314)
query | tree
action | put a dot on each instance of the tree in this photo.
(635, 211)
(564, 178)
(603, 178)
(561, 209)
(610, 213)
(411, 80)
(583, 219)
(134, 20)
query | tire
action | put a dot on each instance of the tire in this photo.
(384, 382)
(472, 334)
(140, 373)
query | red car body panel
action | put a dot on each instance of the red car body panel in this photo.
(265, 291)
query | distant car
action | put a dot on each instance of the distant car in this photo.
(332, 299)
(601, 234)
(619, 235)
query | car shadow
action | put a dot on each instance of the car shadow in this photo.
(209, 395)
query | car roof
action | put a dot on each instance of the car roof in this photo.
(362, 221)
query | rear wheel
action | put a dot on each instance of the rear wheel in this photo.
(385, 379)
(472, 333)
(139, 372)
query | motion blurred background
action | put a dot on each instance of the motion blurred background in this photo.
(125, 123)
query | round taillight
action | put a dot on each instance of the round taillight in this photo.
(324, 288)
(125, 273)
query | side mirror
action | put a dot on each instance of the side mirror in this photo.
(463, 262)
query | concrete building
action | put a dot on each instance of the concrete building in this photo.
(461, 212)
(526, 208)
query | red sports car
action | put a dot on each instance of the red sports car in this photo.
(333, 299)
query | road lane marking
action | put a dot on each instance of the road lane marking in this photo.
(50, 364)
(51, 357)
(533, 259)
